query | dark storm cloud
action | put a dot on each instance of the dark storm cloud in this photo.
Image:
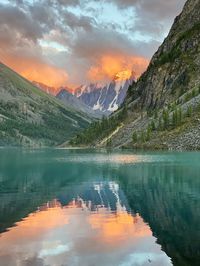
(100, 41)
(65, 2)
(72, 35)
(42, 14)
(74, 22)
(16, 20)
(20, 32)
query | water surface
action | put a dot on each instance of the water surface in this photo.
(67, 207)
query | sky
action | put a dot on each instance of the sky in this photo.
(74, 42)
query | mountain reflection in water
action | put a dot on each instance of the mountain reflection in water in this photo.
(83, 233)
(79, 208)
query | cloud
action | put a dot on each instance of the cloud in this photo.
(155, 8)
(20, 33)
(76, 22)
(71, 42)
(109, 65)
(19, 22)
(152, 16)
(66, 2)
(106, 52)
(35, 70)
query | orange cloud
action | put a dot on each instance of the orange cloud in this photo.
(113, 228)
(54, 77)
(34, 70)
(109, 65)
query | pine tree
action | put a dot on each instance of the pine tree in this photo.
(155, 114)
(124, 112)
(142, 137)
(193, 93)
(153, 126)
(165, 117)
(134, 137)
(189, 111)
(179, 116)
(160, 126)
(148, 134)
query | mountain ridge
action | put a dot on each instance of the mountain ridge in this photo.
(30, 117)
(162, 109)
(97, 99)
(109, 97)
(71, 100)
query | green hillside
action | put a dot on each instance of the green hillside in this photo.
(30, 117)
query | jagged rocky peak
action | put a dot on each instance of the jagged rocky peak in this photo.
(50, 89)
(106, 97)
(63, 92)
(124, 75)
(72, 101)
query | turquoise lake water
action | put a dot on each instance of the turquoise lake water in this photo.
(99, 208)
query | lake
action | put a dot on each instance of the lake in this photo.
(99, 208)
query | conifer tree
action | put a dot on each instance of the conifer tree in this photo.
(153, 126)
(134, 137)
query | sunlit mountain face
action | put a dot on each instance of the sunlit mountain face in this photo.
(102, 97)
(120, 76)
(124, 75)
(107, 97)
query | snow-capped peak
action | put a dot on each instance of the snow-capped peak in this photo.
(123, 75)
(107, 97)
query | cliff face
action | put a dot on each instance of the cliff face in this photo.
(162, 109)
(106, 98)
(175, 67)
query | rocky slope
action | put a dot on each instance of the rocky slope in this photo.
(163, 106)
(72, 101)
(30, 117)
(174, 69)
(106, 98)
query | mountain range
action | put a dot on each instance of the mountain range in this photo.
(162, 109)
(109, 97)
(95, 98)
(71, 100)
(31, 116)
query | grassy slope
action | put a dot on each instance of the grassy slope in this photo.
(29, 116)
